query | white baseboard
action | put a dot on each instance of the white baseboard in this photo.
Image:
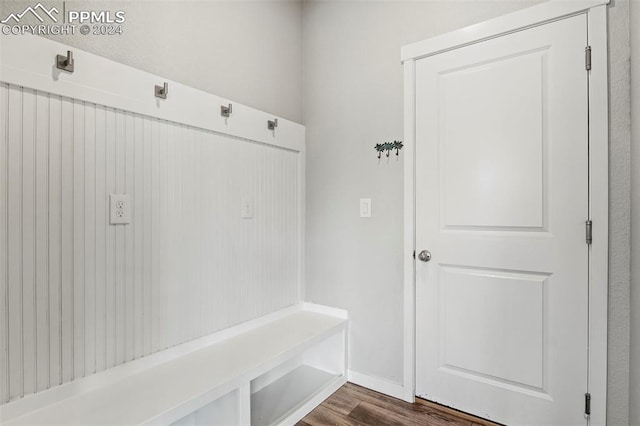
(377, 384)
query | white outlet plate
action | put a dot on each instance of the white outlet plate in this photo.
(365, 207)
(247, 209)
(120, 209)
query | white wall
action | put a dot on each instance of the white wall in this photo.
(353, 100)
(353, 92)
(247, 51)
(634, 377)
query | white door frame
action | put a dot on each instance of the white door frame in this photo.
(596, 11)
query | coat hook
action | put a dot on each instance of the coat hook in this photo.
(398, 146)
(388, 146)
(161, 91)
(226, 111)
(379, 148)
(65, 62)
(271, 125)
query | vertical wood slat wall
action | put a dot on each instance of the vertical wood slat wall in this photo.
(78, 295)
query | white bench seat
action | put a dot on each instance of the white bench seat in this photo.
(165, 393)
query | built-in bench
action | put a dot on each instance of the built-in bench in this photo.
(273, 370)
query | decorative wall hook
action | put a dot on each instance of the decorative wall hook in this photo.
(272, 124)
(388, 147)
(161, 91)
(65, 63)
(226, 111)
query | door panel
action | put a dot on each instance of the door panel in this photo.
(501, 202)
(480, 180)
(507, 308)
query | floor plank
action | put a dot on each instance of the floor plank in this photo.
(370, 414)
(446, 411)
(353, 405)
(341, 402)
(322, 416)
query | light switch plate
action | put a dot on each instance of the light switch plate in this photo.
(120, 209)
(365, 207)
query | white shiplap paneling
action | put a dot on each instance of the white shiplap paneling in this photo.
(79, 295)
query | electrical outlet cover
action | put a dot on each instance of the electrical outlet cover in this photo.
(247, 209)
(120, 209)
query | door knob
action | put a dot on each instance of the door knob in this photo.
(424, 256)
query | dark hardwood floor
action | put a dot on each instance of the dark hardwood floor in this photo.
(352, 405)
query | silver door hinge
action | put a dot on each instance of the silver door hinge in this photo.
(587, 58)
(589, 231)
(587, 404)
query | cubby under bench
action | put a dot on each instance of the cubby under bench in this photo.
(272, 370)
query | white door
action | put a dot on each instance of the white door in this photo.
(501, 204)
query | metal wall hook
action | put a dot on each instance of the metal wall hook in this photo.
(272, 124)
(226, 111)
(65, 63)
(161, 91)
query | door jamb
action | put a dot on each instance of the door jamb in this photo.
(596, 11)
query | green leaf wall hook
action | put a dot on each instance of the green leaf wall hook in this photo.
(388, 147)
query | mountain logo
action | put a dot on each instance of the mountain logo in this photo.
(34, 11)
